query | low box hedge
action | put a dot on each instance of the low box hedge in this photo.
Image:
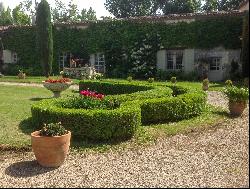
(98, 125)
(172, 108)
(143, 104)
(108, 88)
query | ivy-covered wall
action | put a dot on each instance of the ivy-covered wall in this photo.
(130, 48)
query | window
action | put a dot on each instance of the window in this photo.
(14, 57)
(174, 60)
(215, 63)
(100, 63)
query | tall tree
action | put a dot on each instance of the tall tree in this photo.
(221, 5)
(20, 17)
(44, 37)
(130, 8)
(179, 6)
(5, 16)
(245, 47)
(87, 14)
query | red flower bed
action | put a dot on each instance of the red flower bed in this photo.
(62, 80)
(92, 94)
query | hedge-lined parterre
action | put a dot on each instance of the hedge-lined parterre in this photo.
(142, 104)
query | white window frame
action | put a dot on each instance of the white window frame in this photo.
(215, 64)
(172, 56)
(99, 63)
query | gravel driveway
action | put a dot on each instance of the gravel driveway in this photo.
(214, 158)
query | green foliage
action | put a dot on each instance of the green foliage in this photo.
(221, 5)
(70, 13)
(84, 102)
(119, 40)
(173, 109)
(178, 90)
(20, 17)
(236, 94)
(130, 8)
(152, 105)
(173, 80)
(151, 80)
(229, 83)
(129, 78)
(205, 81)
(87, 14)
(245, 47)
(180, 6)
(44, 37)
(5, 17)
(53, 129)
(97, 125)
(112, 88)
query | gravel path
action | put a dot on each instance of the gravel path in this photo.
(214, 158)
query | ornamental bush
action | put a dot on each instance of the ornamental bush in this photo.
(124, 112)
(97, 124)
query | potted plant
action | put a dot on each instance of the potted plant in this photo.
(205, 84)
(57, 85)
(237, 99)
(51, 144)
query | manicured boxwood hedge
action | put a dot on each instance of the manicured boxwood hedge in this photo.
(143, 104)
(119, 123)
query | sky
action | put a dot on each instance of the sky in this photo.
(97, 5)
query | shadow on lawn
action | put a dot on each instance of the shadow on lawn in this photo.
(25, 169)
(38, 99)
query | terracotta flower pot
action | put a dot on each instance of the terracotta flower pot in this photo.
(50, 151)
(236, 108)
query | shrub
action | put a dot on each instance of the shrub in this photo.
(98, 125)
(236, 94)
(172, 109)
(229, 83)
(178, 90)
(112, 88)
(173, 80)
(129, 78)
(53, 129)
(151, 80)
(205, 81)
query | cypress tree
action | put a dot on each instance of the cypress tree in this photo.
(44, 37)
(245, 47)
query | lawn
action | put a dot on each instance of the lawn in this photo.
(38, 79)
(16, 126)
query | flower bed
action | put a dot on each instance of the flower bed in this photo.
(122, 113)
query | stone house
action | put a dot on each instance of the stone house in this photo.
(217, 62)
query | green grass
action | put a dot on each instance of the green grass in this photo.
(38, 79)
(16, 126)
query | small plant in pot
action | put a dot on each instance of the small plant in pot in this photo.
(238, 98)
(21, 74)
(51, 144)
(205, 84)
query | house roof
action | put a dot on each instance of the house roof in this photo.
(159, 18)
(242, 4)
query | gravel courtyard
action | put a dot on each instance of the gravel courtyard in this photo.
(213, 158)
